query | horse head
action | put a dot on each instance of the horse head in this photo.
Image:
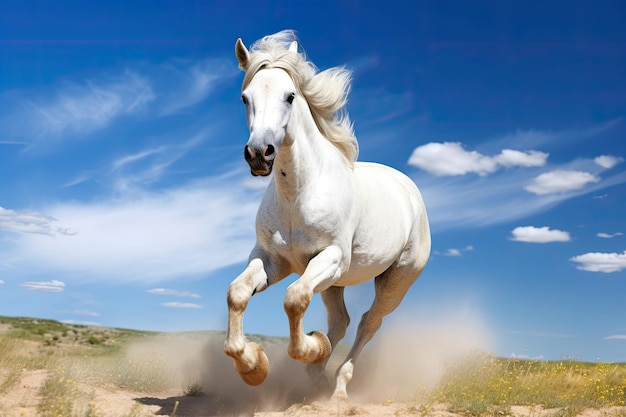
(268, 97)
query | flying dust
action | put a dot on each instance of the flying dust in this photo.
(408, 354)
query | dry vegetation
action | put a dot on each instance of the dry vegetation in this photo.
(51, 369)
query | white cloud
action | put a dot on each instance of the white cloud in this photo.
(601, 262)
(615, 337)
(522, 356)
(560, 181)
(175, 304)
(85, 313)
(80, 322)
(44, 286)
(469, 201)
(544, 234)
(450, 159)
(1, 282)
(609, 235)
(188, 231)
(474, 201)
(511, 158)
(455, 251)
(176, 293)
(607, 161)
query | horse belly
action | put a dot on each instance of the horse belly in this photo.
(360, 273)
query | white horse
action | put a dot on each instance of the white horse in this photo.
(333, 221)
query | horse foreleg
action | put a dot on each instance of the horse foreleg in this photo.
(321, 272)
(248, 357)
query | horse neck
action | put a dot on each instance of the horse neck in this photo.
(305, 156)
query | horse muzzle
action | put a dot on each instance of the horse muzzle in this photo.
(261, 161)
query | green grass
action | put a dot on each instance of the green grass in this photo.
(54, 333)
(486, 385)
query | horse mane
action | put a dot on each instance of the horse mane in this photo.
(326, 92)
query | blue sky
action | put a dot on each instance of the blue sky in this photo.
(125, 200)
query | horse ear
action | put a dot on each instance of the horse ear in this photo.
(242, 55)
(293, 47)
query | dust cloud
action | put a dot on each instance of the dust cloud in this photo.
(407, 354)
(412, 353)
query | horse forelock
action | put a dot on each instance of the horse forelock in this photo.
(326, 94)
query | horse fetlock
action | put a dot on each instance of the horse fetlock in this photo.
(314, 349)
(323, 344)
(344, 376)
(252, 365)
(234, 349)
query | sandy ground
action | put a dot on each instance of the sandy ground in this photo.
(386, 379)
(23, 399)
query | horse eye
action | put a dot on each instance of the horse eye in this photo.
(290, 98)
(244, 100)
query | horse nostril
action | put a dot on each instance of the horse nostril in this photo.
(248, 153)
(269, 150)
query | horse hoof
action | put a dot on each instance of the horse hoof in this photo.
(256, 375)
(324, 344)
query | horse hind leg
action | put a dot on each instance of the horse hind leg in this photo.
(390, 288)
(338, 321)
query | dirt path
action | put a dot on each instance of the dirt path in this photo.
(23, 399)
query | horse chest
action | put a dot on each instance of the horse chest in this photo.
(293, 241)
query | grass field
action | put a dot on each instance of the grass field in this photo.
(77, 363)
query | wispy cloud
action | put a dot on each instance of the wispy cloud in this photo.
(194, 82)
(188, 231)
(74, 109)
(28, 221)
(608, 235)
(79, 108)
(175, 293)
(176, 304)
(454, 251)
(601, 262)
(44, 286)
(534, 333)
(81, 322)
(145, 167)
(615, 337)
(377, 106)
(1, 282)
(85, 313)
(524, 356)
(532, 234)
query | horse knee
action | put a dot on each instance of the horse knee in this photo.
(237, 296)
(297, 299)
